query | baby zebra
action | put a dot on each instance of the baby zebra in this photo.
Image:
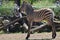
(37, 16)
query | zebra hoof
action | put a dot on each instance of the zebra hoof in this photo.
(54, 36)
(26, 38)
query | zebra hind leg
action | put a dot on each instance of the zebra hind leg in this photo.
(51, 23)
(53, 31)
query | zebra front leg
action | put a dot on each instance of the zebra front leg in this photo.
(28, 35)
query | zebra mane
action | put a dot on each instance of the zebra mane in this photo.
(29, 8)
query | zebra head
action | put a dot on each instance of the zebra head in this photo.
(26, 8)
(23, 7)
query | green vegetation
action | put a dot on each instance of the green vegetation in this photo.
(7, 7)
(57, 11)
(1, 32)
(47, 4)
(42, 4)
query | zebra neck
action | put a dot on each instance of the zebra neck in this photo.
(29, 12)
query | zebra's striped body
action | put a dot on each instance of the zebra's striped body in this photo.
(43, 14)
(37, 16)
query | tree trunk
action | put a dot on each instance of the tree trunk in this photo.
(18, 2)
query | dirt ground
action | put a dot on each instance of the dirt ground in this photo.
(35, 36)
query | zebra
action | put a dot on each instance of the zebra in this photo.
(37, 16)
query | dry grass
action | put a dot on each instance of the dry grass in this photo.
(36, 36)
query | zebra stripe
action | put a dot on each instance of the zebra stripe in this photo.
(43, 14)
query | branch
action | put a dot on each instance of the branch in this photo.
(38, 27)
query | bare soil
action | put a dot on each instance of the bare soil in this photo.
(35, 36)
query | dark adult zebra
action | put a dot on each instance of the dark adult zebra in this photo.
(37, 16)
